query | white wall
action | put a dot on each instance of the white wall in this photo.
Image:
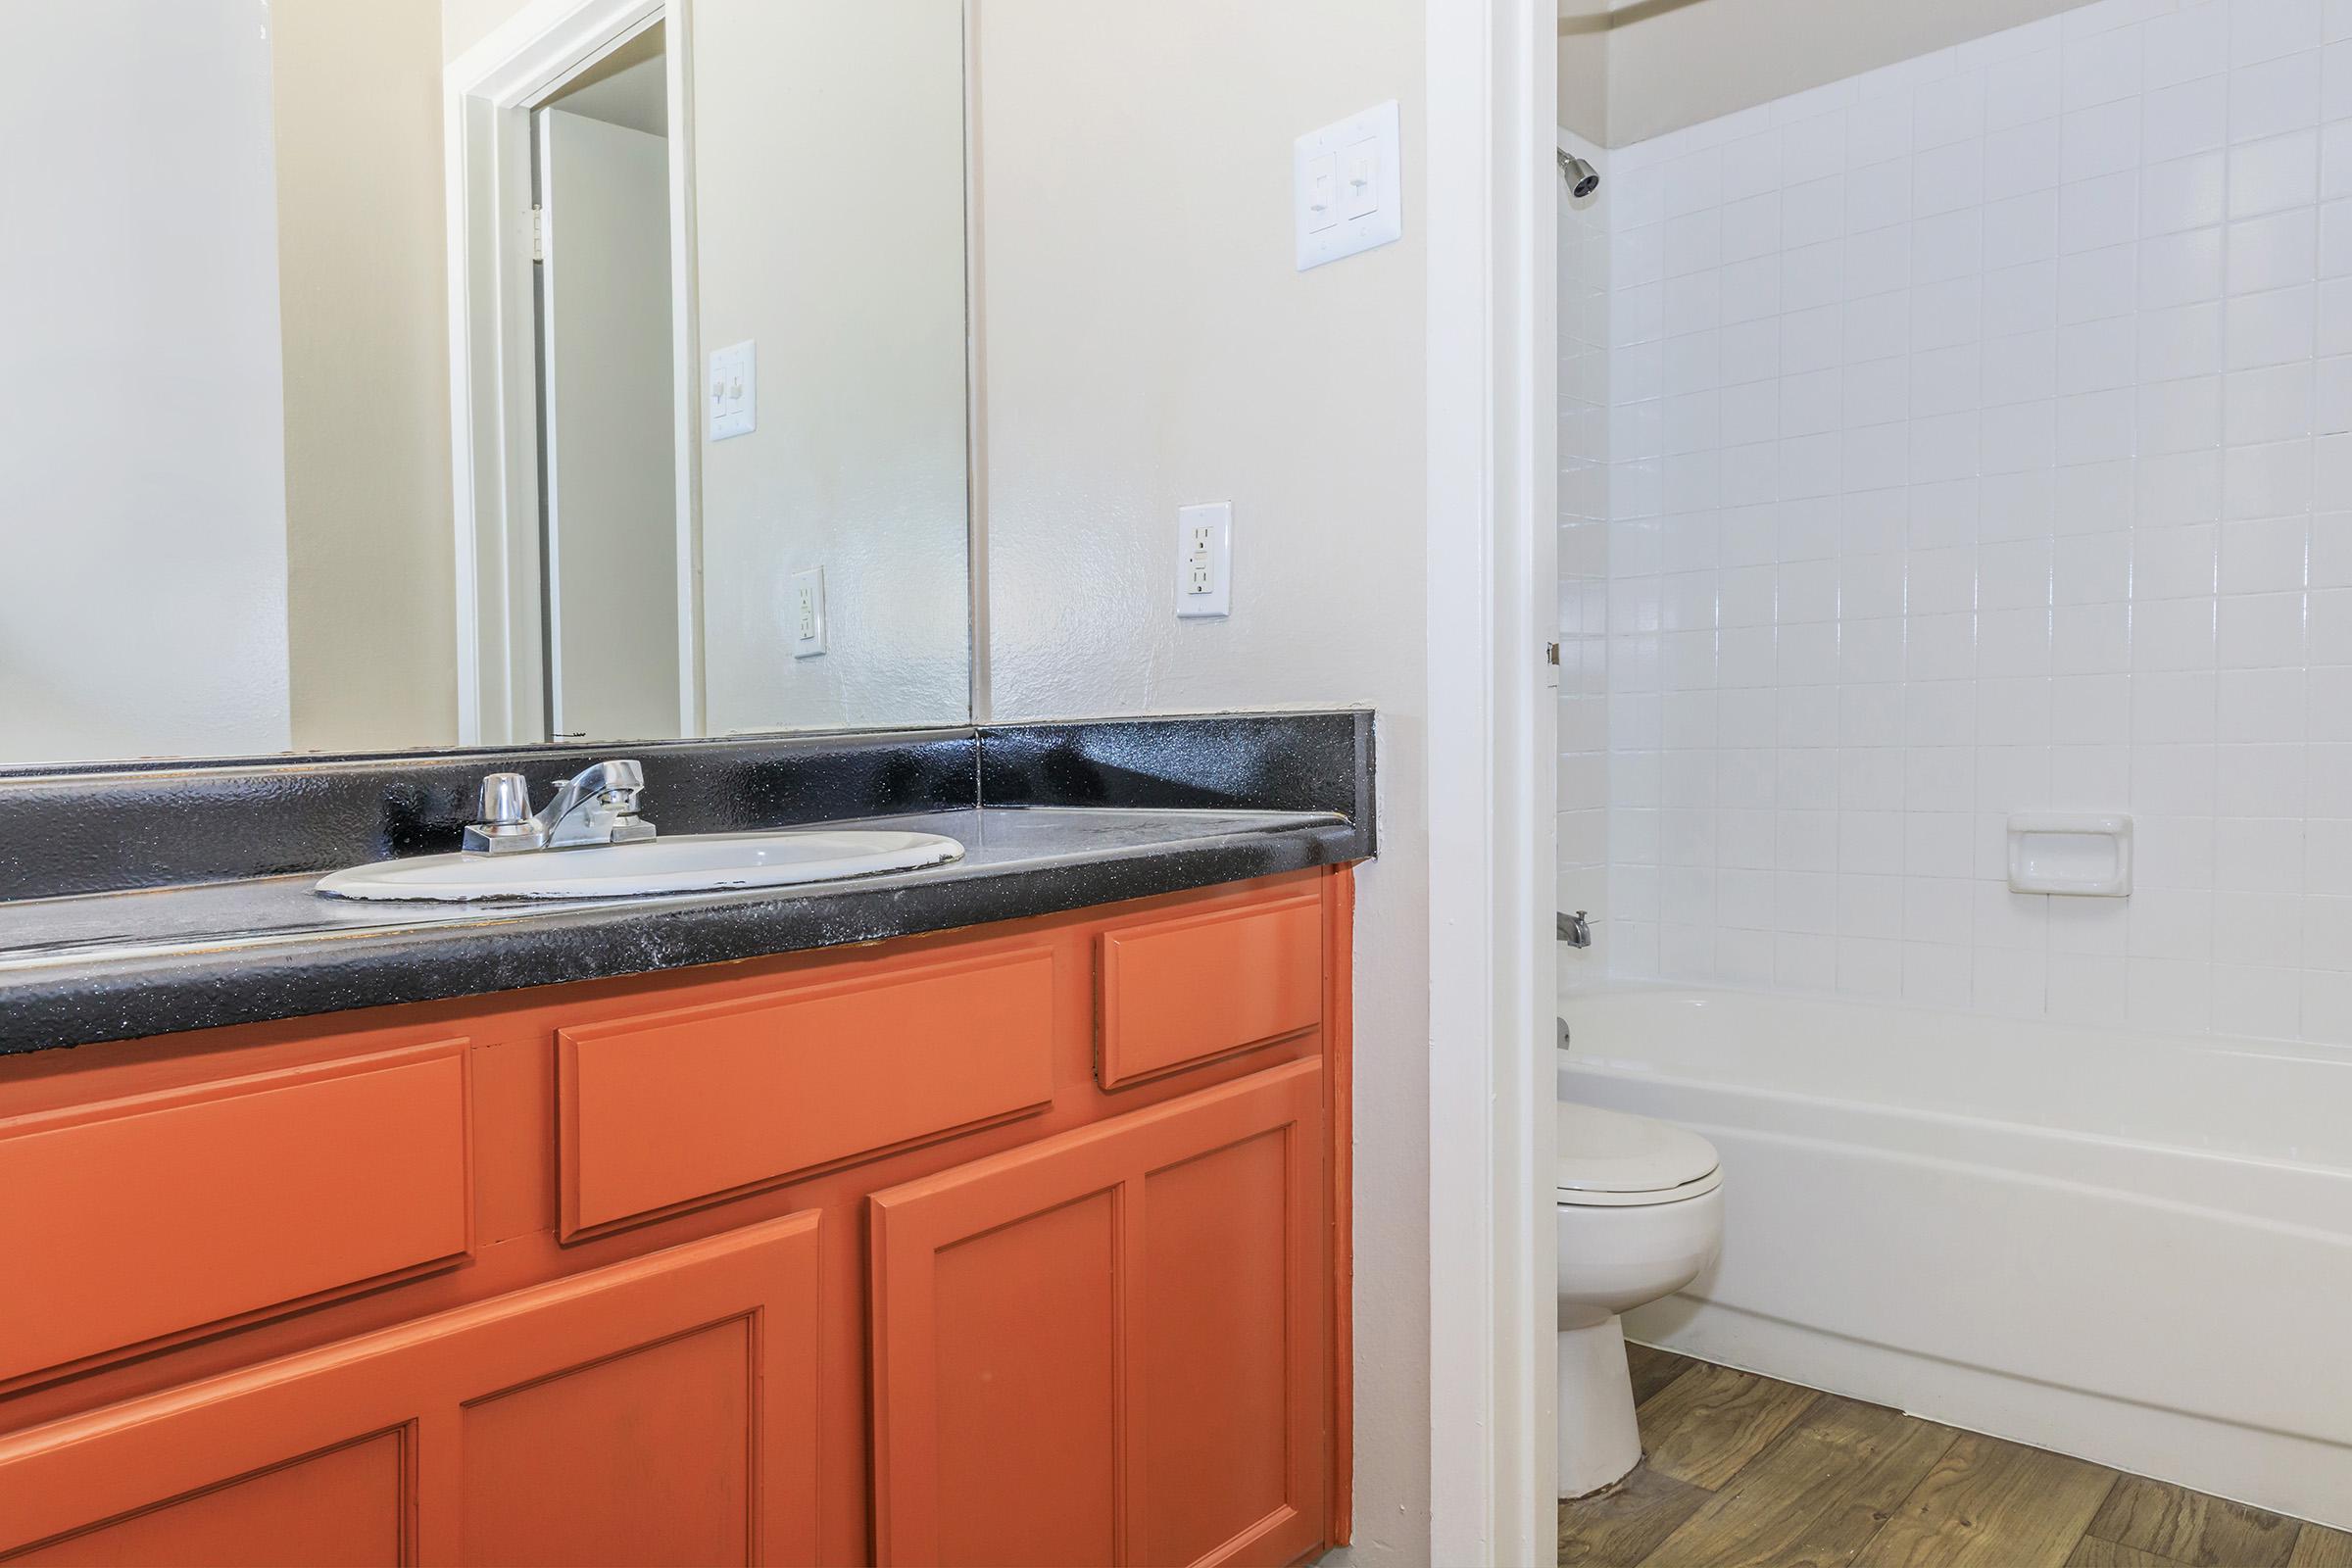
(1582, 78)
(1147, 343)
(1631, 69)
(1675, 63)
(1982, 440)
(467, 22)
(141, 435)
(628, 87)
(372, 614)
(829, 169)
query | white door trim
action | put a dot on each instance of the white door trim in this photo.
(686, 398)
(487, 95)
(1492, 387)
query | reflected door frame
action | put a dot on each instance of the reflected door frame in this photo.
(488, 95)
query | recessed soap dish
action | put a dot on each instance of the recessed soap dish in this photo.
(2085, 854)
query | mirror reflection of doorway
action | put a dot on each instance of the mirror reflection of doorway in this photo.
(607, 412)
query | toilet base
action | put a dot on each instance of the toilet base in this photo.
(1601, 1444)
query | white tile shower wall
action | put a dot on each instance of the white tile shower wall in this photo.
(1981, 439)
(1584, 549)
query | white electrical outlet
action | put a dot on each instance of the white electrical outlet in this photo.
(809, 613)
(734, 392)
(1205, 561)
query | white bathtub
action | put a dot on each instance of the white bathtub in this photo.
(2132, 1248)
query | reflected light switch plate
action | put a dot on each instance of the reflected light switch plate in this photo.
(1361, 152)
(732, 392)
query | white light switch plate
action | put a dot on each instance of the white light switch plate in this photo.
(807, 610)
(733, 392)
(1205, 561)
(1348, 188)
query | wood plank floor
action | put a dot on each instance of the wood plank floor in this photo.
(1744, 1471)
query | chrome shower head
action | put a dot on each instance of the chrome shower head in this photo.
(1583, 178)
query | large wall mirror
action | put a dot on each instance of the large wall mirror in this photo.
(403, 373)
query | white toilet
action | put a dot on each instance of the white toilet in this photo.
(1641, 1212)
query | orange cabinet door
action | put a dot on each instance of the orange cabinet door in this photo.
(661, 1410)
(1111, 1346)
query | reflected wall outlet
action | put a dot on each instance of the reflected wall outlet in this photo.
(809, 613)
(1205, 561)
(733, 392)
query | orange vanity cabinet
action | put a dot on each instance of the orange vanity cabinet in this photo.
(1016, 1244)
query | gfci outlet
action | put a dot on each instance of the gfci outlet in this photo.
(1205, 561)
(809, 613)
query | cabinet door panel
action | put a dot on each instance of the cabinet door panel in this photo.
(337, 1509)
(682, 1106)
(1177, 992)
(223, 1201)
(658, 1410)
(1145, 1301)
(1212, 1366)
(639, 1458)
(1030, 1310)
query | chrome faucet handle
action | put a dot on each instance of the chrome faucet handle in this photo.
(506, 801)
(503, 820)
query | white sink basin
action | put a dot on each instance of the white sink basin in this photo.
(690, 863)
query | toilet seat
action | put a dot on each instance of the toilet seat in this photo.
(1609, 1160)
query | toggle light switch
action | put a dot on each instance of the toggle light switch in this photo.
(1362, 194)
(1322, 192)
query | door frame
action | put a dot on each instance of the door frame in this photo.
(1493, 439)
(488, 94)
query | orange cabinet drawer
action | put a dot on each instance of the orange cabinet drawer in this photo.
(676, 1109)
(148, 1217)
(1183, 991)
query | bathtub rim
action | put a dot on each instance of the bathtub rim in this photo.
(2069, 1037)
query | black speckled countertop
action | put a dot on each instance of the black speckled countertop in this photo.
(1052, 818)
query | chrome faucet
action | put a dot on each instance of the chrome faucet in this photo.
(596, 805)
(1575, 929)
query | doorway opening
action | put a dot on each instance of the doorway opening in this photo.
(607, 402)
(574, 391)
